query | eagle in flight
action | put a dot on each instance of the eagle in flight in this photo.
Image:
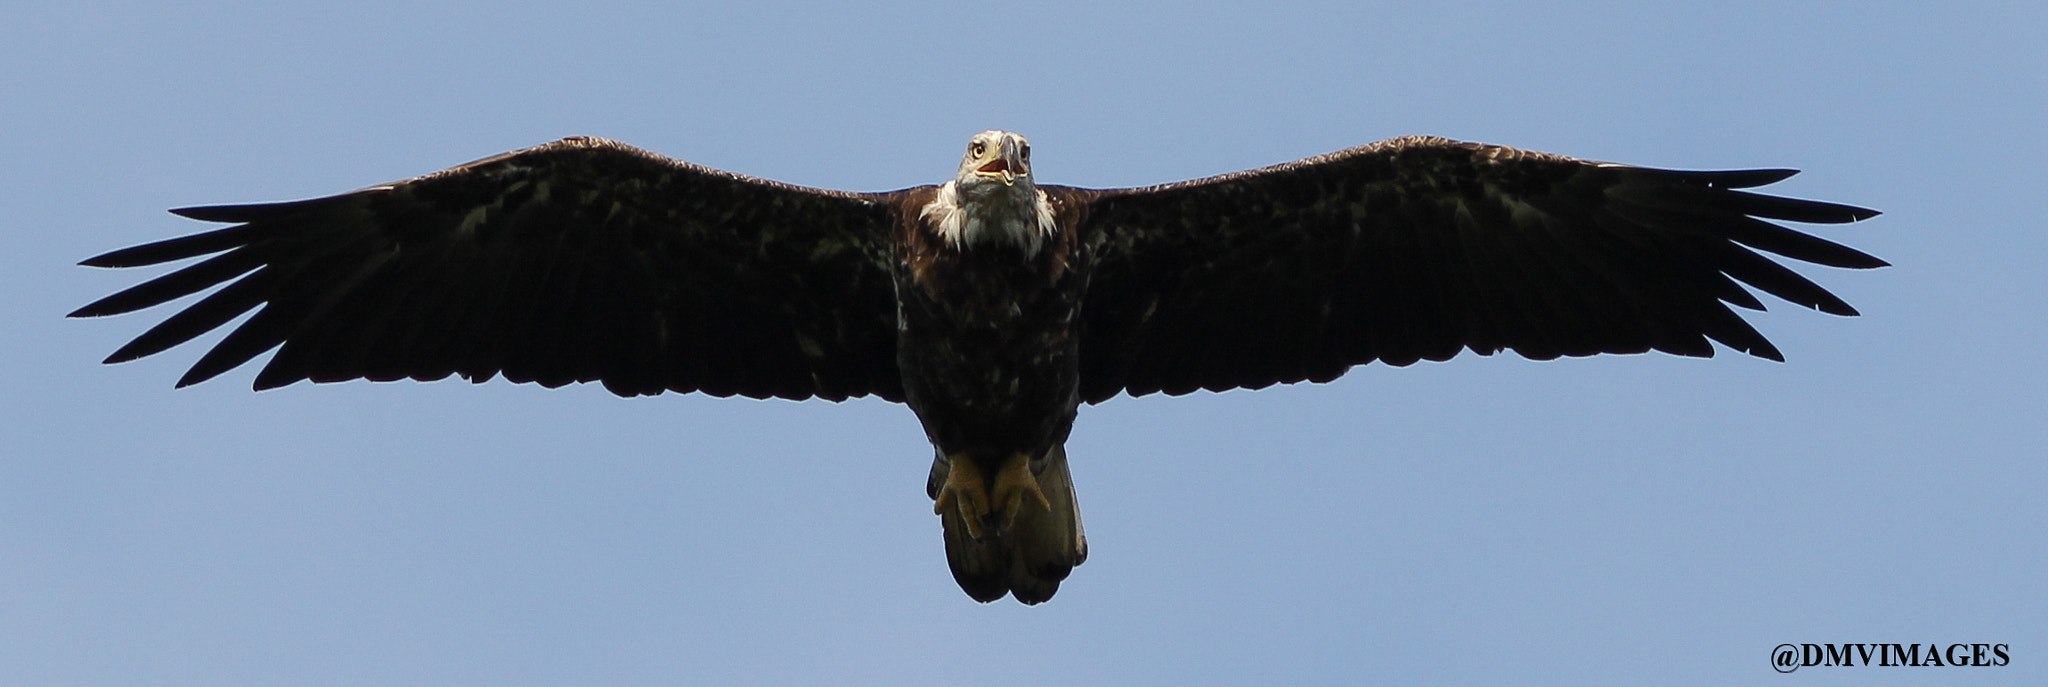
(991, 304)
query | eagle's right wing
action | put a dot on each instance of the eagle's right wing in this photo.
(580, 260)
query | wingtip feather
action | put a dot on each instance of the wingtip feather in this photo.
(246, 212)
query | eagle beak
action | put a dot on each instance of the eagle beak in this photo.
(999, 167)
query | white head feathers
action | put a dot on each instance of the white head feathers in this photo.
(993, 199)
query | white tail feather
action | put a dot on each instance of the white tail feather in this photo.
(1030, 558)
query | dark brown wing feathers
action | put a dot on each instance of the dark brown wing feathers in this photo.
(581, 260)
(1420, 248)
(586, 260)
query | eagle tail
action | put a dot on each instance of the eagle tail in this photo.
(1029, 558)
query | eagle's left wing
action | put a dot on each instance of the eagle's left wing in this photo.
(576, 261)
(1419, 248)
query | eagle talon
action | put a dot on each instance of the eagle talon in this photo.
(963, 491)
(989, 508)
(1015, 487)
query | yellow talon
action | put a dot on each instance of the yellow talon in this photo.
(967, 489)
(1014, 485)
(964, 490)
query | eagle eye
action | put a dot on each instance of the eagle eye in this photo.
(976, 149)
(1025, 151)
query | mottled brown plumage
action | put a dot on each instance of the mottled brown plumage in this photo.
(586, 260)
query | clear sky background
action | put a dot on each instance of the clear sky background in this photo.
(1617, 520)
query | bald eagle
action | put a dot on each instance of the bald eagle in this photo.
(992, 305)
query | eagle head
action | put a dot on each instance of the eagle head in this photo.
(993, 198)
(996, 160)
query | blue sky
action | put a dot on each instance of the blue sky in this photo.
(1598, 521)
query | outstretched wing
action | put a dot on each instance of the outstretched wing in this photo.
(580, 260)
(1418, 248)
